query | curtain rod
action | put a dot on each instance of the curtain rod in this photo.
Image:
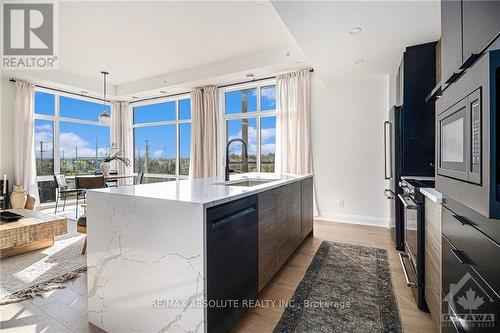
(222, 86)
(66, 92)
(156, 97)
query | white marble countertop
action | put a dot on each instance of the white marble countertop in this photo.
(432, 194)
(206, 191)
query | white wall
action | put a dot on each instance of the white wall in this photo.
(6, 128)
(347, 135)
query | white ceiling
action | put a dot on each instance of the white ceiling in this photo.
(174, 46)
(136, 40)
(321, 29)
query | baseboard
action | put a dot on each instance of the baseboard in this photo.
(355, 219)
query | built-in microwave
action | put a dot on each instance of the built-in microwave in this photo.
(459, 135)
(468, 137)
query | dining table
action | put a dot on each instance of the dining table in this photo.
(109, 178)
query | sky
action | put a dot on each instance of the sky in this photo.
(72, 135)
(161, 139)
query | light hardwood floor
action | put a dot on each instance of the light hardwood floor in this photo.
(64, 310)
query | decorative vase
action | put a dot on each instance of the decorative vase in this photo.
(105, 168)
(18, 197)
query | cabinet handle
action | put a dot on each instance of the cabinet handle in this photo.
(470, 60)
(233, 218)
(463, 220)
(387, 175)
(461, 257)
(455, 76)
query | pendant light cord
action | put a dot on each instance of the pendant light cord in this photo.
(104, 73)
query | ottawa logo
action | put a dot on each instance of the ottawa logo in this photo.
(469, 305)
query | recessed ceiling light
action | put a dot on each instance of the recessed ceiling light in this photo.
(163, 92)
(250, 76)
(354, 30)
(359, 61)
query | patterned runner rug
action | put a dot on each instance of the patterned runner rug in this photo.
(347, 288)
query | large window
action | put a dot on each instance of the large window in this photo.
(162, 139)
(249, 113)
(69, 139)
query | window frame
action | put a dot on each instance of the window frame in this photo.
(175, 122)
(258, 114)
(57, 119)
(56, 122)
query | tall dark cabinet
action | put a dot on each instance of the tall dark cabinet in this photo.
(411, 128)
(418, 79)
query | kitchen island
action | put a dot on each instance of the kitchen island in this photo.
(158, 254)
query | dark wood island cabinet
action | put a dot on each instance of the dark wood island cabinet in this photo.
(285, 220)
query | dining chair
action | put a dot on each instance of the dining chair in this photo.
(139, 178)
(112, 182)
(63, 190)
(85, 183)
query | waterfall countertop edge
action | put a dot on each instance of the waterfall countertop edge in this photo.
(206, 191)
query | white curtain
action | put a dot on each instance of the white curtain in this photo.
(293, 124)
(121, 134)
(203, 133)
(24, 139)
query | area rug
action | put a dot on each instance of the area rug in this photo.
(347, 288)
(30, 274)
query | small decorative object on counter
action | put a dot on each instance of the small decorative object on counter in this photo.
(18, 197)
(114, 154)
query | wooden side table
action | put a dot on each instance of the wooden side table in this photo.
(33, 232)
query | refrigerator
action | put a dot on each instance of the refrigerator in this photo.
(409, 152)
(392, 170)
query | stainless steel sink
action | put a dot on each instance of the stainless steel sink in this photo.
(249, 182)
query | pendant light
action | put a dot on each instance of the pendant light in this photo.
(104, 117)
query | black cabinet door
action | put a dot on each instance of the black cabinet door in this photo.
(418, 131)
(481, 22)
(451, 37)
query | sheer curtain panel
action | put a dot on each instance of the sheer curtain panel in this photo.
(293, 124)
(121, 134)
(24, 133)
(203, 133)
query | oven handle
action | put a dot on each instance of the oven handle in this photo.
(406, 204)
(408, 282)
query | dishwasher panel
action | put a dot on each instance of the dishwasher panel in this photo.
(232, 261)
